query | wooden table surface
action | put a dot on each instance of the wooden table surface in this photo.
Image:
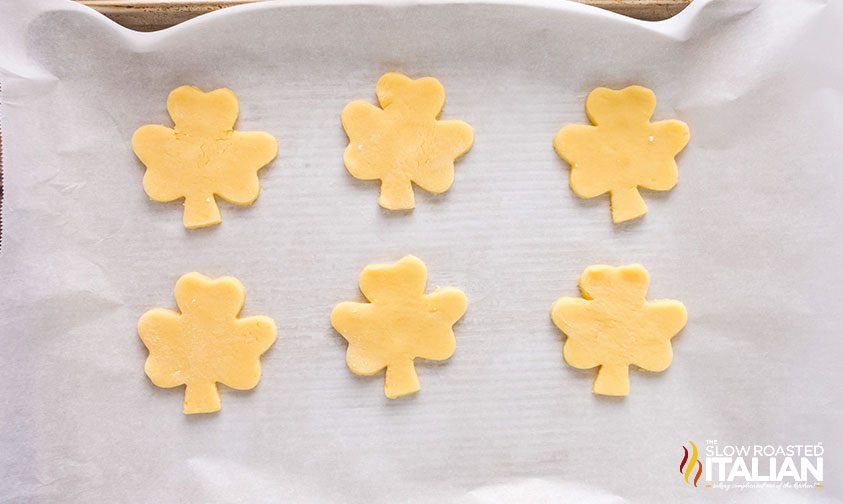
(149, 15)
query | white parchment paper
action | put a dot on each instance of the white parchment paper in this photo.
(749, 240)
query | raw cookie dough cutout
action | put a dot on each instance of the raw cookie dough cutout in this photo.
(399, 323)
(202, 156)
(613, 325)
(402, 142)
(623, 150)
(206, 343)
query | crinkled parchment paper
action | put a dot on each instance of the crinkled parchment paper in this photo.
(750, 241)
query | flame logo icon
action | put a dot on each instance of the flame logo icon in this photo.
(688, 464)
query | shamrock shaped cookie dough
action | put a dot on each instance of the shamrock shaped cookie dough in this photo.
(399, 323)
(202, 156)
(402, 141)
(206, 343)
(613, 325)
(623, 150)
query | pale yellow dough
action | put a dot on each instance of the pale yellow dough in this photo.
(202, 156)
(206, 343)
(623, 150)
(400, 323)
(402, 142)
(613, 326)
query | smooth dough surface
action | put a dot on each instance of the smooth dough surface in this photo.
(622, 150)
(613, 325)
(206, 343)
(202, 156)
(399, 323)
(402, 142)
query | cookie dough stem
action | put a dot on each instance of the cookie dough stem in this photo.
(200, 211)
(627, 204)
(612, 380)
(401, 379)
(201, 398)
(396, 193)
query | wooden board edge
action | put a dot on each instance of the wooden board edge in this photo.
(156, 15)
